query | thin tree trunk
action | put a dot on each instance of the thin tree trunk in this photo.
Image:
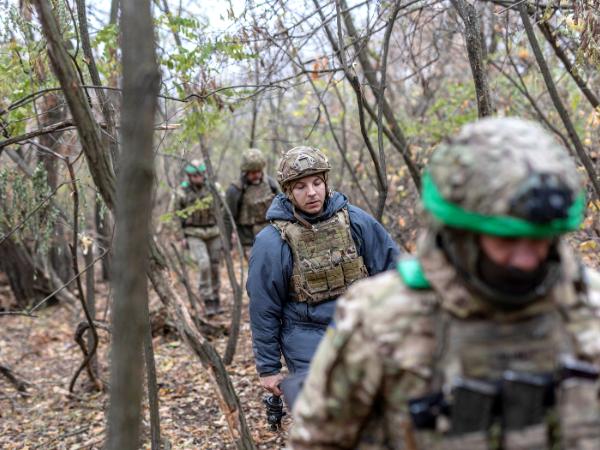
(104, 180)
(98, 159)
(90, 295)
(151, 381)
(396, 135)
(475, 51)
(134, 207)
(560, 108)
(220, 207)
(560, 53)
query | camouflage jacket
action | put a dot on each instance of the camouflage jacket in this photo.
(383, 352)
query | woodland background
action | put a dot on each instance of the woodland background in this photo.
(103, 103)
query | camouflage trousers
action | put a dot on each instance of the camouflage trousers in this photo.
(207, 253)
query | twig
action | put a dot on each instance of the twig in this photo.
(20, 385)
(48, 297)
(63, 436)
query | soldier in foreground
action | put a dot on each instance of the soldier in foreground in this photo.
(200, 231)
(249, 199)
(318, 244)
(490, 337)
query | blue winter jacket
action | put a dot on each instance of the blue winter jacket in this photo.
(281, 326)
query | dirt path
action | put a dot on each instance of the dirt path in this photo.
(42, 352)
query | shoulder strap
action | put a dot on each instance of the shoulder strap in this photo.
(412, 273)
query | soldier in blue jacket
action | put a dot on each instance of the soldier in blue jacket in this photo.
(316, 246)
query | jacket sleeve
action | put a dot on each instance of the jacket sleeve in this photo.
(379, 251)
(267, 286)
(232, 198)
(345, 378)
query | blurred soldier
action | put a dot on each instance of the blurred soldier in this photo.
(249, 198)
(201, 234)
(316, 246)
(489, 337)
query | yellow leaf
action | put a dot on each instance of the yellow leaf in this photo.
(587, 246)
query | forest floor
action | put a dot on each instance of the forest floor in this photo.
(42, 352)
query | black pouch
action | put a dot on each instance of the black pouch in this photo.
(526, 398)
(424, 411)
(473, 406)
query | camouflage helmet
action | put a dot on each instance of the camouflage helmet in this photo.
(195, 166)
(300, 162)
(252, 159)
(504, 177)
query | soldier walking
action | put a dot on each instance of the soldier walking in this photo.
(316, 246)
(249, 199)
(490, 337)
(200, 231)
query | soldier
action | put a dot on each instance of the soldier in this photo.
(487, 339)
(317, 245)
(201, 234)
(249, 198)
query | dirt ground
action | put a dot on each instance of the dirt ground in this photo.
(42, 352)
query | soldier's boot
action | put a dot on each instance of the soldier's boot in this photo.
(212, 307)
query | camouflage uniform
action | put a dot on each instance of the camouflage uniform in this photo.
(429, 357)
(195, 209)
(248, 202)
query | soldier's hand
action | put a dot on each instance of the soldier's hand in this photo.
(271, 383)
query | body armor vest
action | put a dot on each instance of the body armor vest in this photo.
(507, 385)
(200, 203)
(326, 260)
(256, 200)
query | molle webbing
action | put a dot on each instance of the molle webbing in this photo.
(201, 204)
(255, 201)
(508, 385)
(326, 260)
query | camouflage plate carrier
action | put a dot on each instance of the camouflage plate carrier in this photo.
(510, 383)
(326, 260)
(255, 202)
(200, 204)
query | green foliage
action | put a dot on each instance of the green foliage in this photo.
(452, 108)
(23, 205)
(106, 43)
(198, 205)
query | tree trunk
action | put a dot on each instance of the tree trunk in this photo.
(16, 265)
(475, 50)
(133, 217)
(99, 160)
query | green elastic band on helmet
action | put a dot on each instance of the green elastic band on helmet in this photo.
(412, 274)
(503, 226)
(191, 169)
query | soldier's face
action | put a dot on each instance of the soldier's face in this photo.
(309, 194)
(254, 176)
(196, 179)
(526, 254)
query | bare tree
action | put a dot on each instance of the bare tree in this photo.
(134, 206)
(475, 50)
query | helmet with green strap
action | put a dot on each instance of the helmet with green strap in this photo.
(504, 177)
(195, 166)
